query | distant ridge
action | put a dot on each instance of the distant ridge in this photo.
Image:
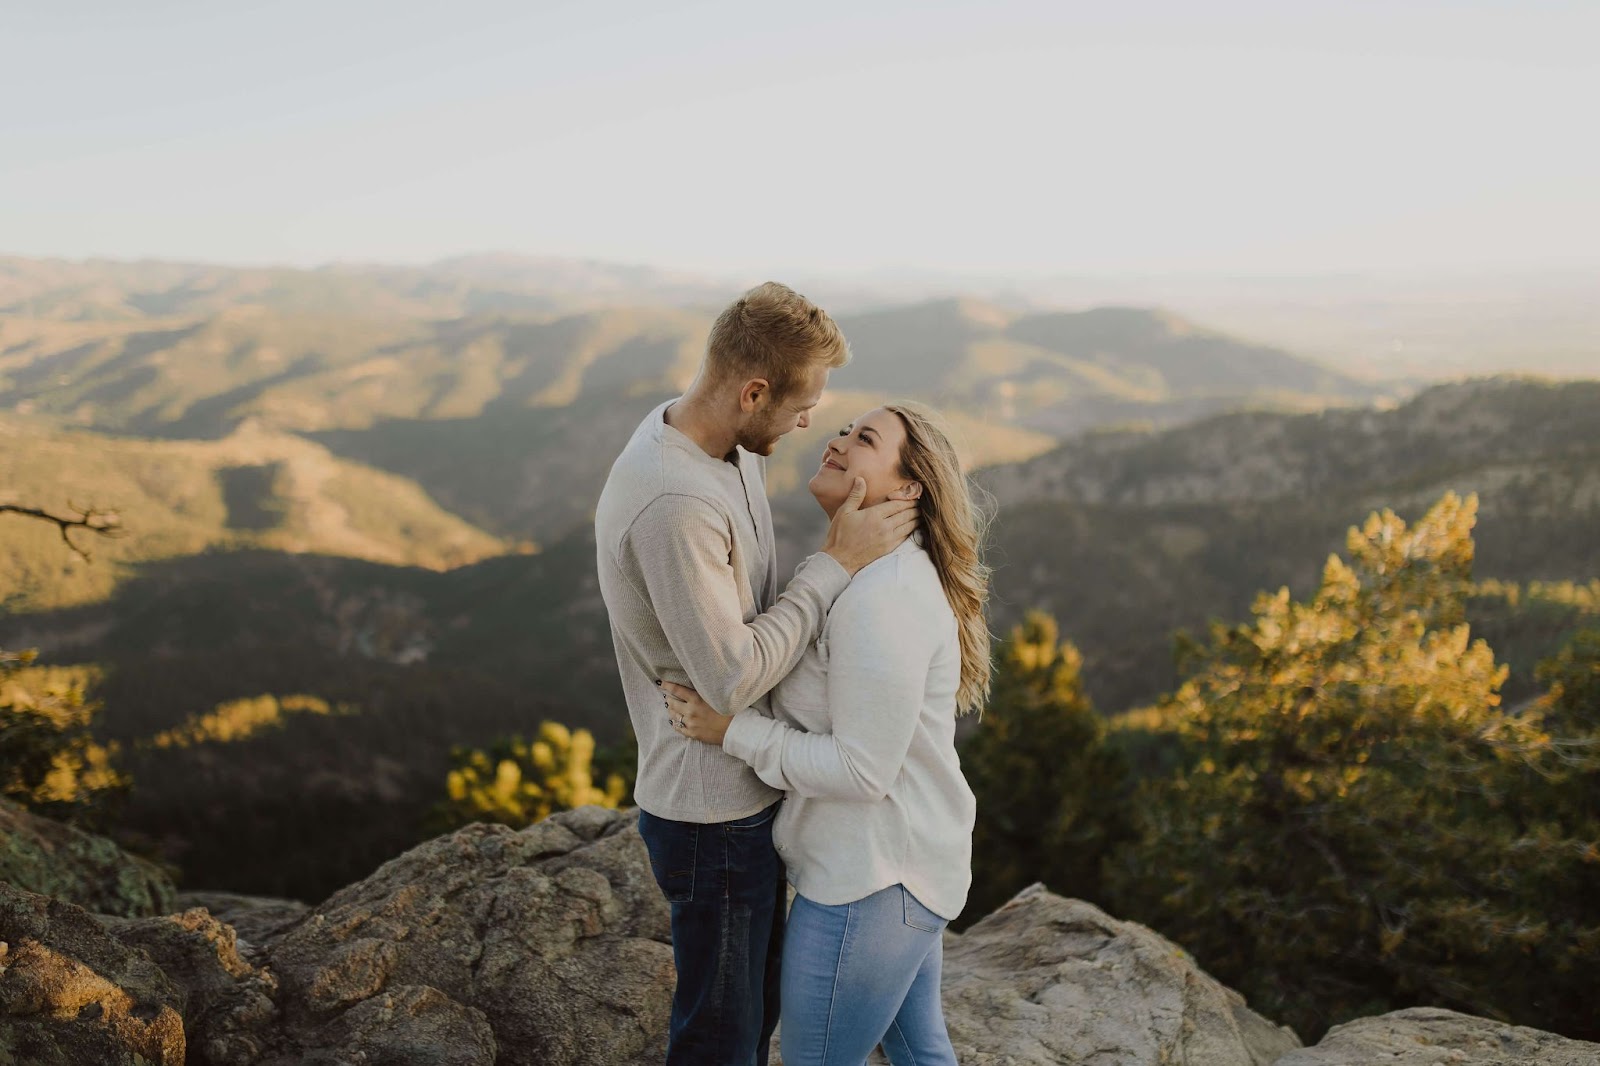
(118, 290)
(1063, 372)
(181, 349)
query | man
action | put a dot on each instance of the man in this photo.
(684, 542)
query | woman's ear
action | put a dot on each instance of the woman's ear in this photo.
(911, 490)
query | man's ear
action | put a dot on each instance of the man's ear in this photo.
(753, 394)
(911, 490)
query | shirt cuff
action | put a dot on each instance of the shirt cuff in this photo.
(745, 734)
(825, 573)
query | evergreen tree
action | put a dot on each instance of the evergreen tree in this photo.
(49, 762)
(517, 783)
(1351, 835)
(1052, 796)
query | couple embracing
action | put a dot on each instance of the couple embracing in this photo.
(801, 734)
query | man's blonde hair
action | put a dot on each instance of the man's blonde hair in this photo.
(775, 333)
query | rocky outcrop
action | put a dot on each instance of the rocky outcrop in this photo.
(1429, 1036)
(551, 945)
(487, 946)
(71, 994)
(53, 859)
(1050, 980)
(226, 1003)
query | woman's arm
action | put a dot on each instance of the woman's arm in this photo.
(880, 648)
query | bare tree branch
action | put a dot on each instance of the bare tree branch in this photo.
(101, 523)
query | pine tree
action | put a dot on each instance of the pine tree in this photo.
(517, 783)
(49, 762)
(1051, 794)
(1349, 837)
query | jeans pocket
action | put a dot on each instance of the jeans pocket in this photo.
(919, 917)
(673, 848)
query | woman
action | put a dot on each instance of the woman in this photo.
(876, 829)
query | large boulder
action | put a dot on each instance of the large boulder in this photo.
(547, 945)
(53, 859)
(71, 994)
(496, 947)
(226, 1003)
(1431, 1036)
(1052, 980)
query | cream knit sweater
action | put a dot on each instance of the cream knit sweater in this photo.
(684, 546)
(863, 742)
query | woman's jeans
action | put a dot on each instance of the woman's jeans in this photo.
(860, 974)
(725, 884)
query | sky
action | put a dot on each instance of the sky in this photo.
(998, 137)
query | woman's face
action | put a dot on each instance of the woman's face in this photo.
(867, 448)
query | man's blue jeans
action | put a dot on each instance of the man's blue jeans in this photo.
(861, 973)
(725, 884)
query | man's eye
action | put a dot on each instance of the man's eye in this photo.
(845, 432)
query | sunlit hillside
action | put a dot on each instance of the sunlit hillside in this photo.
(509, 414)
(251, 489)
(319, 372)
(1125, 537)
(190, 350)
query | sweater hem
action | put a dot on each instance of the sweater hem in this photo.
(701, 816)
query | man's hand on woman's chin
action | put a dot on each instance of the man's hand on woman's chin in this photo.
(858, 535)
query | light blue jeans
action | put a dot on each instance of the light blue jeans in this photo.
(860, 974)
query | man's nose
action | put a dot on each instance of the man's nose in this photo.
(805, 420)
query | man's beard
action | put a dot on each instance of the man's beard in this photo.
(757, 438)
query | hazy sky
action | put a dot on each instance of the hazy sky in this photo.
(1181, 136)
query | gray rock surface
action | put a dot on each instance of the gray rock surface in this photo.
(257, 920)
(1052, 980)
(551, 945)
(1430, 1036)
(72, 995)
(486, 946)
(53, 859)
(226, 1003)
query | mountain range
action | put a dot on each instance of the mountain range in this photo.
(373, 485)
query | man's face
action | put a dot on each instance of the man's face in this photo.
(760, 433)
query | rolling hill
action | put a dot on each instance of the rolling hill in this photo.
(511, 418)
(334, 481)
(178, 499)
(1154, 532)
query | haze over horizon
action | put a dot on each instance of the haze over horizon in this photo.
(1015, 138)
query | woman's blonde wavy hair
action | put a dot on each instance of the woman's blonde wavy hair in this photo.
(954, 525)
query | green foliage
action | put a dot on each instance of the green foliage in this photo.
(49, 762)
(1355, 831)
(1052, 796)
(1569, 713)
(517, 783)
